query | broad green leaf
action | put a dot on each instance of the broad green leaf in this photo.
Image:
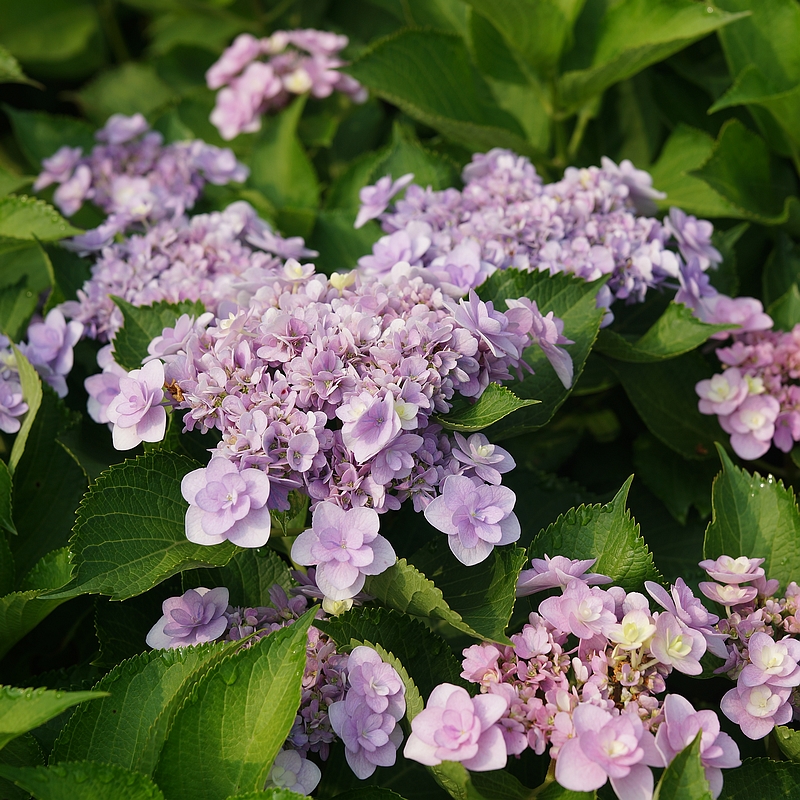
(47, 30)
(676, 331)
(22, 710)
(632, 35)
(32, 394)
(572, 300)
(499, 785)
(429, 76)
(338, 243)
(249, 576)
(426, 657)
(789, 742)
(663, 394)
(782, 269)
(25, 259)
(48, 485)
(494, 404)
(142, 324)
(128, 728)
(456, 780)
(39, 134)
(82, 780)
(605, 532)
(10, 70)
(785, 311)
(554, 791)
(537, 29)
(678, 482)
(17, 304)
(6, 518)
(274, 793)
(10, 182)
(22, 611)
(231, 727)
(762, 778)
(686, 150)
(364, 793)
(742, 170)
(754, 517)
(477, 600)
(294, 519)
(279, 167)
(684, 778)
(70, 272)
(128, 89)
(28, 218)
(24, 751)
(7, 571)
(130, 531)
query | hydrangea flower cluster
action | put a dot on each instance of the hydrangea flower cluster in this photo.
(591, 223)
(297, 61)
(355, 697)
(583, 677)
(49, 349)
(329, 386)
(134, 177)
(763, 653)
(756, 397)
(199, 258)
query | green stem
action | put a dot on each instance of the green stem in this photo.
(116, 41)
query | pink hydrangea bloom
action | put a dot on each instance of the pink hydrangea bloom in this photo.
(197, 616)
(136, 412)
(752, 425)
(345, 547)
(293, 772)
(456, 727)
(722, 394)
(775, 663)
(757, 709)
(374, 199)
(727, 569)
(581, 610)
(549, 573)
(678, 645)
(226, 504)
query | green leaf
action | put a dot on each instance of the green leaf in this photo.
(605, 532)
(428, 75)
(130, 531)
(663, 394)
(142, 324)
(365, 793)
(789, 742)
(11, 182)
(25, 259)
(32, 394)
(273, 793)
(22, 710)
(48, 485)
(754, 517)
(743, 171)
(279, 166)
(782, 269)
(676, 481)
(128, 728)
(686, 150)
(10, 70)
(572, 300)
(477, 600)
(24, 751)
(39, 135)
(675, 332)
(494, 404)
(338, 243)
(762, 778)
(426, 657)
(684, 778)
(82, 780)
(500, 785)
(6, 518)
(7, 570)
(249, 576)
(47, 30)
(228, 732)
(28, 218)
(17, 304)
(128, 89)
(785, 311)
(456, 780)
(632, 35)
(22, 611)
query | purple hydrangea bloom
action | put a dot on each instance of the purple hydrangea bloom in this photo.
(12, 406)
(606, 747)
(120, 129)
(727, 569)
(226, 504)
(581, 610)
(136, 412)
(775, 663)
(757, 709)
(486, 460)
(729, 594)
(693, 237)
(370, 423)
(197, 616)
(752, 425)
(722, 394)
(548, 573)
(345, 547)
(103, 387)
(58, 168)
(678, 645)
(456, 727)
(293, 772)
(49, 348)
(376, 682)
(638, 182)
(475, 516)
(374, 199)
